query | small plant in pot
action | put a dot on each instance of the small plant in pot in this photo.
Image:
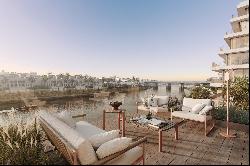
(149, 116)
(115, 104)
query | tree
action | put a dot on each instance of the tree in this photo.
(200, 92)
(238, 92)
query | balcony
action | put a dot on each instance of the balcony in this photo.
(221, 68)
(239, 18)
(242, 8)
(232, 35)
(222, 53)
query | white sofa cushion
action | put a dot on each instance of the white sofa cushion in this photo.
(128, 158)
(197, 108)
(87, 130)
(86, 153)
(190, 102)
(98, 139)
(205, 110)
(66, 117)
(190, 116)
(162, 100)
(113, 146)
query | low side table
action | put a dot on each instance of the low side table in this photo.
(121, 118)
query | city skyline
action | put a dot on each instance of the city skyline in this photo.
(146, 39)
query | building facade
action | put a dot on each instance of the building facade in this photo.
(236, 57)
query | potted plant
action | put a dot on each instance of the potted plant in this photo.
(149, 116)
(115, 105)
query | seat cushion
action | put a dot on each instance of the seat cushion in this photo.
(87, 130)
(128, 158)
(113, 146)
(98, 139)
(190, 116)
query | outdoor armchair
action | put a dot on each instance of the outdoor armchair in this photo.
(74, 145)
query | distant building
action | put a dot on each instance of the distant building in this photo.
(236, 57)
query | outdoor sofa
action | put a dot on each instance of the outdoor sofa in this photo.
(198, 110)
(154, 104)
(85, 144)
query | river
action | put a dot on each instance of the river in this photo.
(94, 108)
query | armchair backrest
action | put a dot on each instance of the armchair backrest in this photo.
(66, 149)
(190, 102)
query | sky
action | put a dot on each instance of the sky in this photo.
(167, 40)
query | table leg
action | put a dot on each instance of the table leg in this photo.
(103, 120)
(176, 132)
(160, 140)
(123, 124)
(119, 121)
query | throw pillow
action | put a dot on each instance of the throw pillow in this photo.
(205, 110)
(113, 146)
(66, 117)
(86, 153)
(162, 100)
(152, 102)
(98, 139)
(197, 108)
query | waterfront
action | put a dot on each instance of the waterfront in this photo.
(94, 108)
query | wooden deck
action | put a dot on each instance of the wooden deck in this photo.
(192, 147)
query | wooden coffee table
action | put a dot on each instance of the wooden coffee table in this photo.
(168, 126)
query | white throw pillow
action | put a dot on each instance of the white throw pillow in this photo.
(197, 108)
(162, 100)
(66, 117)
(113, 146)
(98, 139)
(152, 102)
(205, 110)
(86, 153)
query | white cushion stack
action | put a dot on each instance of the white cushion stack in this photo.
(113, 146)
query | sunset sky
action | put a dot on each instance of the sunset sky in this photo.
(155, 39)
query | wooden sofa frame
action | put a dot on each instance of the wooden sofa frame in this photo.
(70, 153)
(207, 131)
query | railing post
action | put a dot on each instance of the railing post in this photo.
(119, 120)
(123, 123)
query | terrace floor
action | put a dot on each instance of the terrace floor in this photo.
(192, 147)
